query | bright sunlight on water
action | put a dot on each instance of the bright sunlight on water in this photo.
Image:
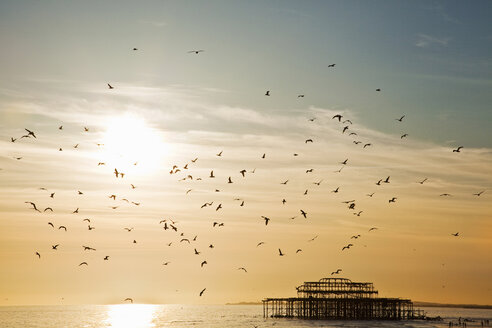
(131, 315)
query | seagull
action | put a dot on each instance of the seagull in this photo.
(298, 250)
(336, 272)
(347, 247)
(76, 211)
(203, 290)
(312, 239)
(301, 96)
(52, 195)
(331, 65)
(336, 190)
(33, 206)
(48, 209)
(358, 214)
(62, 227)
(39, 255)
(367, 145)
(203, 263)
(82, 263)
(87, 248)
(370, 195)
(263, 156)
(318, 183)
(30, 133)
(338, 116)
(129, 299)
(128, 229)
(455, 234)
(185, 239)
(55, 247)
(197, 252)
(106, 258)
(195, 51)
(355, 237)
(51, 224)
(457, 150)
(308, 140)
(304, 214)
(345, 128)
(110, 86)
(400, 119)
(242, 172)
(373, 228)
(280, 252)
(479, 193)
(285, 182)
(229, 181)
(266, 219)
(404, 135)
(378, 89)
(212, 174)
(309, 171)
(306, 192)
(392, 200)
(244, 269)
(446, 195)
(387, 180)
(218, 207)
(422, 182)
(12, 139)
(347, 121)
(267, 93)
(260, 243)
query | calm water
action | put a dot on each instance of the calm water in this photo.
(154, 316)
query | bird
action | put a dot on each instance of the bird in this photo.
(308, 140)
(309, 171)
(203, 263)
(357, 142)
(338, 116)
(260, 243)
(30, 133)
(229, 180)
(133, 186)
(62, 227)
(51, 224)
(358, 214)
(318, 183)
(33, 206)
(455, 234)
(285, 182)
(352, 134)
(263, 156)
(135, 49)
(242, 172)
(345, 128)
(457, 150)
(55, 247)
(129, 299)
(76, 211)
(304, 214)
(39, 255)
(187, 240)
(367, 145)
(12, 139)
(203, 290)
(379, 182)
(378, 89)
(280, 252)
(404, 135)
(336, 190)
(218, 207)
(479, 193)
(82, 263)
(128, 229)
(80, 192)
(445, 195)
(370, 195)
(392, 200)
(355, 237)
(197, 252)
(336, 272)
(196, 52)
(387, 180)
(298, 250)
(90, 228)
(331, 65)
(244, 269)
(400, 119)
(267, 93)
(212, 174)
(347, 247)
(300, 96)
(88, 248)
(106, 258)
(88, 220)
(373, 228)
(76, 146)
(188, 191)
(266, 219)
(347, 121)
(312, 239)
(110, 86)
(306, 192)
(422, 182)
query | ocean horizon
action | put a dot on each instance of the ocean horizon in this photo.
(182, 315)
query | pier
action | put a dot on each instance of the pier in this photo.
(340, 299)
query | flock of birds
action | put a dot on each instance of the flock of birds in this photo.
(186, 172)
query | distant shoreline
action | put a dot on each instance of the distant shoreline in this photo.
(416, 303)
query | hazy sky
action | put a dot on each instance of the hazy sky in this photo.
(431, 59)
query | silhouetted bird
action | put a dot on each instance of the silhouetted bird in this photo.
(457, 150)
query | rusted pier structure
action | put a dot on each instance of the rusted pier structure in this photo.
(340, 299)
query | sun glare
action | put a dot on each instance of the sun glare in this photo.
(131, 316)
(131, 145)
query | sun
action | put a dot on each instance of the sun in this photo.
(131, 145)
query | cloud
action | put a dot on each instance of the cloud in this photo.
(425, 41)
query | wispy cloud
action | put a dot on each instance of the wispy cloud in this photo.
(425, 40)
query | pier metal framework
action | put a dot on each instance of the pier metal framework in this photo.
(340, 299)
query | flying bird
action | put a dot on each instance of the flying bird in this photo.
(404, 135)
(244, 269)
(336, 272)
(195, 51)
(39, 255)
(55, 247)
(479, 193)
(304, 214)
(347, 247)
(203, 263)
(298, 250)
(400, 119)
(30, 133)
(331, 65)
(422, 182)
(280, 252)
(260, 243)
(266, 219)
(33, 206)
(308, 140)
(203, 290)
(129, 299)
(392, 200)
(110, 86)
(267, 93)
(338, 116)
(457, 150)
(83, 263)
(455, 234)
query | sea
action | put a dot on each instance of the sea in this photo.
(206, 316)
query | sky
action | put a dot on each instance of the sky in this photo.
(431, 61)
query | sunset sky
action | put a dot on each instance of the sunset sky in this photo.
(432, 61)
